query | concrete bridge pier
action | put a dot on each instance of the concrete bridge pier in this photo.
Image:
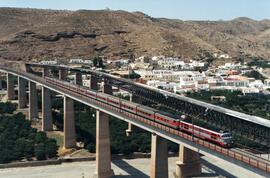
(22, 100)
(2, 77)
(78, 78)
(10, 87)
(159, 157)
(103, 146)
(47, 124)
(93, 83)
(25, 67)
(28, 68)
(189, 163)
(45, 71)
(63, 74)
(69, 123)
(129, 129)
(33, 102)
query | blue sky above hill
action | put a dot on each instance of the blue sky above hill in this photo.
(176, 9)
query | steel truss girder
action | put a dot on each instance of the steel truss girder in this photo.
(236, 125)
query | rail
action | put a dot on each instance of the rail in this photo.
(225, 151)
(60, 86)
(247, 126)
(246, 117)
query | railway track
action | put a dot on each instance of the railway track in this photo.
(250, 154)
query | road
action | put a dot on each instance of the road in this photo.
(135, 168)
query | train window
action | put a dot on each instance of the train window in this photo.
(127, 107)
(145, 113)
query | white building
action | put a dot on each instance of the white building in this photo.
(168, 75)
(49, 62)
(140, 59)
(169, 86)
(250, 90)
(175, 63)
(196, 64)
(233, 66)
(76, 61)
(140, 65)
(170, 63)
(88, 62)
(233, 82)
(257, 84)
(180, 90)
(157, 58)
(192, 80)
(224, 56)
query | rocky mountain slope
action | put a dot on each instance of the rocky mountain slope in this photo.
(33, 34)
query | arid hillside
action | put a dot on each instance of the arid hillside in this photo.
(32, 34)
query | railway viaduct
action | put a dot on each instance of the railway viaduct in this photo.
(189, 149)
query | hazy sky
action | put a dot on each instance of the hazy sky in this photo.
(178, 9)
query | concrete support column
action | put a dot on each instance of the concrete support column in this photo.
(46, 110)
(1, 86)
(103, 150)
(45, 72)
(69, 123)
(62, 74)
(10, 87)
(159, 157)
(189, 163)
(22, 100)
(106, 88)
(93, 83)
(78, 78)
(33, 102)
(129, 129)
(25, 67)
(103, 147)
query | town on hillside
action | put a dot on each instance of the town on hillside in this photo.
(182, 76)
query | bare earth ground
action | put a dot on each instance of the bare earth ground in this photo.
(135, 168)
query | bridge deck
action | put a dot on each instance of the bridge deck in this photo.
(247, 126)
(176, 136)
(239, 115)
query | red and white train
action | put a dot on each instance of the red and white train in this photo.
(221, 138)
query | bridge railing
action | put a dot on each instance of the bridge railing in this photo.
(224, 151)
(58, 85)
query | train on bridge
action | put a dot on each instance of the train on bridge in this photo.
(223, 139)
(245, 126)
